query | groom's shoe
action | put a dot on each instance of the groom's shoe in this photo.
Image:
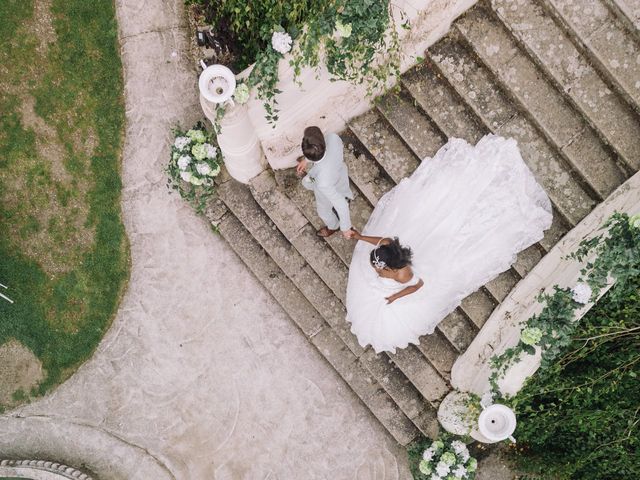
(325, 232)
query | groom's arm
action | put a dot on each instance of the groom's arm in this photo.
(339, 202)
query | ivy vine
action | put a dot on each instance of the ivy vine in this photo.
(616, 252)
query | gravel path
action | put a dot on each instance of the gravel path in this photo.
(201, 376)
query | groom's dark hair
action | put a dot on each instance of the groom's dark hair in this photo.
(313, 145)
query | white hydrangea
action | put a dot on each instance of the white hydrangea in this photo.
(181, 142)
(428, 454)
(203, 168)
(458, 446)
(215, 171)
(183, 162)
(435, 476)
(281, 42)
(460, 472)
(211, 150)
(634, 220)
(186, 176)
(581, 293)
(442, 469)
(464, 456)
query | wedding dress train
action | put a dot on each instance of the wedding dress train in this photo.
(465, 213)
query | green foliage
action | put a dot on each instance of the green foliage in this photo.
(252, 21)
(617, 254)
(77, 90)
(578, 419)
(348, 35)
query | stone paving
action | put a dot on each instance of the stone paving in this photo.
(202, 375)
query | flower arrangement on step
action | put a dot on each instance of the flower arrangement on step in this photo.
(195, 162)
(443, 459)
(616, 252)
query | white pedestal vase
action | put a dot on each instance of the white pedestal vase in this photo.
(237, 139)
(458, 415)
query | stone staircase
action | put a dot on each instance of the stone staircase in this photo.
(560, 76)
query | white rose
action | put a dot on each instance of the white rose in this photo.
(581, 293)
(183, 162)
(203, 169)
(195, 180)
(281, 42)
(186, 176)
(181, 142)
(211, 150)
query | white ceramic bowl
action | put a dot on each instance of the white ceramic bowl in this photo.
(497, 422)
(217, 83)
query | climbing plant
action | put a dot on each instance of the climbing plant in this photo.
(616, 254)
(357, 40)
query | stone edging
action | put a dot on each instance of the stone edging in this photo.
(471, 371)
(20, 467)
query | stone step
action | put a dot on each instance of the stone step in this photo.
(300, 233)
(304, 315)
(479, 306)
(529, 88)
(243, 206)
(458, 329)
(442, 104)
(455, 119)
(547, 44)
(391, 153)
(371, 393)
(439, 351)
(421, 412)
(628, 12)
(339, 344)
(422, 374)
(605, 40)
(364, 172)
(476, 86)
(360, 210)
(414, 127)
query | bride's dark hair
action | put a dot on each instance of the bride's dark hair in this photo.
(394, 255)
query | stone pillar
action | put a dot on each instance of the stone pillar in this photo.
(238, 141)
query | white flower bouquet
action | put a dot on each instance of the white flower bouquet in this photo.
(446, 460)
(195, 162)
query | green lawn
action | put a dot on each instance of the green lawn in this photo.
(63, 249)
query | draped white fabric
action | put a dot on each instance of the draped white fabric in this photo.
(465, 213)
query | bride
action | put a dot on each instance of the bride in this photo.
(438, 236)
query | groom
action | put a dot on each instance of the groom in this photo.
(328, 178)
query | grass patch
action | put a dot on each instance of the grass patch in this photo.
(63, 249)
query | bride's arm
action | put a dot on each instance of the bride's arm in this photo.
(372, 240)
(405, 291)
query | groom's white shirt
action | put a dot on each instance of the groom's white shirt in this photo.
(329, 180)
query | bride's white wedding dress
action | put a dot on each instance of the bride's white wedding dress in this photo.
(465, 213)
